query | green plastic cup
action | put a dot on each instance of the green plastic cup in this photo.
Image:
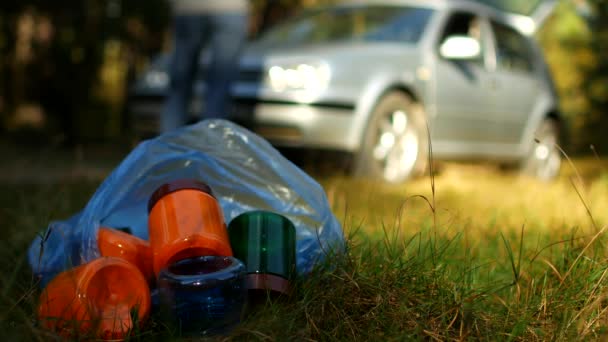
(266, 243)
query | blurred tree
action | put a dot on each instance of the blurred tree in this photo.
(574, 41)
(565, 39)
(596, 77)
(76, 58)
(59, 64)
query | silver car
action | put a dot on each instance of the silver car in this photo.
(378, 78)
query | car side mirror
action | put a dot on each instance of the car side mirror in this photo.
(460, 47)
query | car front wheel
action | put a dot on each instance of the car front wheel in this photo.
(395, 145)
(544, 158)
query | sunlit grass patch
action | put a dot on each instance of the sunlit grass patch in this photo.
(480, 199)
(529, 250)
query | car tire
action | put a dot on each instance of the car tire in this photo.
(543, 161)
(395, 144)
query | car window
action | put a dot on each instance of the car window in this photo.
(513, 51)
(352, 23)
(465, 24)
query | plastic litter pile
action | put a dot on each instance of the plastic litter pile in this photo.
(202, 216)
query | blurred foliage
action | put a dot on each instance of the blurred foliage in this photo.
(66, 65)
(572, 39)
(73, 59)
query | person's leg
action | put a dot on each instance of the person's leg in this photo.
(188, 35)
(228, 35)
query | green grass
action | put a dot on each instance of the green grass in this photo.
(488, 256)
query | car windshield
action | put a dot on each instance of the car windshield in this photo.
(351, 23)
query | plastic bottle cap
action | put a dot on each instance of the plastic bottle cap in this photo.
(177, 185)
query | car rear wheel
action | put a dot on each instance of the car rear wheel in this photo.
(395, 146)
(544, 158)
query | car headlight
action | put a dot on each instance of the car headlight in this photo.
(302, 76)
(156, 79)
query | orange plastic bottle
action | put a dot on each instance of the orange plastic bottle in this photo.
(185, 221)
(96, 300)
(114, 243)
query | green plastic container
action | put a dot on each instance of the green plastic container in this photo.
(266, 243)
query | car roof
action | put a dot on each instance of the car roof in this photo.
(520, 22)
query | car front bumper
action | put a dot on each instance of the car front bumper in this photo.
(282, 124)
(300, 125)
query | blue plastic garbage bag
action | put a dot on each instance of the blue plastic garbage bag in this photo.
(244, 171)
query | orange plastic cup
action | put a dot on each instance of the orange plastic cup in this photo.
(114, 243)
(96, 298)
(185, 221)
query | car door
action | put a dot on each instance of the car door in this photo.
(514, 83)
(461, 114)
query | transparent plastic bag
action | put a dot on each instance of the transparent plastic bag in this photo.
(244, 171)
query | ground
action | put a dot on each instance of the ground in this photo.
(470, 252)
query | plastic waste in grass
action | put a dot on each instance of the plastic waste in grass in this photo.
(203, 295)
(161, 193)
(185, 221)
(245, 172)
(266, 242)
(103, 298)
(115, 243)
(203, 289)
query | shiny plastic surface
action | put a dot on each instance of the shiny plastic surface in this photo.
(203, 295)
(176, 185)
(186, 223)
(266, 243)
(114, 243)
(245, 172)
(96, 298)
